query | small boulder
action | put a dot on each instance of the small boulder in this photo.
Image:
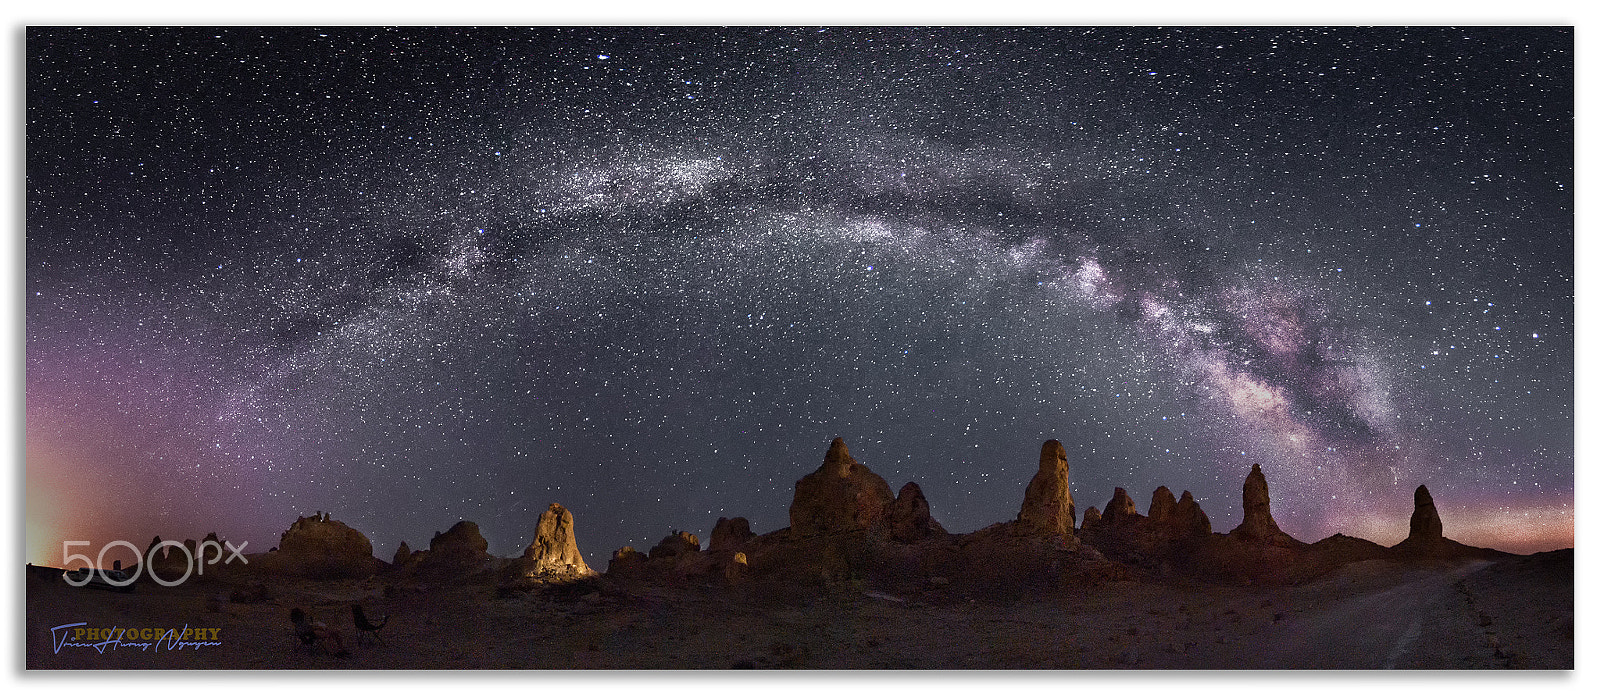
(737, 569)
(676, 544)
(1120, 509)
(910, 519)
(1091, 519)
(730, 534)
(626, 561)
(402, 555)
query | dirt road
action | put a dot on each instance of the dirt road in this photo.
(1402, 626)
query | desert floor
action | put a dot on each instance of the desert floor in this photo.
(1516, 613)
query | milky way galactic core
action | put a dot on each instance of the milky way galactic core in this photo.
(410, 276)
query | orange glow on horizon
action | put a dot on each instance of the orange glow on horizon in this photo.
(1522, 531)
(50, 515)
(58, 508)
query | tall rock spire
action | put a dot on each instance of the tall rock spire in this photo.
(554, 550)
(1189, 518)
(1163, 506)
(1258, 523)
(1425, 523)
(1047, 505)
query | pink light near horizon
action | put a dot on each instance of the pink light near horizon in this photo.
(1523, 530)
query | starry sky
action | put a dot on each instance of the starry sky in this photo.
(410, 276)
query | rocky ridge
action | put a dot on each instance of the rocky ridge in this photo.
(847, 526)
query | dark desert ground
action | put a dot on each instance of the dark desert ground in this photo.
(863, 580)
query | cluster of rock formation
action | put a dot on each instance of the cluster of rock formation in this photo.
(678, 556)
(322, 548)
(1172, 531)
(197, 559)
(843, 496)
(845, 523)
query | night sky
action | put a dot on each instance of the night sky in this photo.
(411, 276)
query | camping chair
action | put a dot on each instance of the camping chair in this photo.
(367, 627)
(305, 638)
